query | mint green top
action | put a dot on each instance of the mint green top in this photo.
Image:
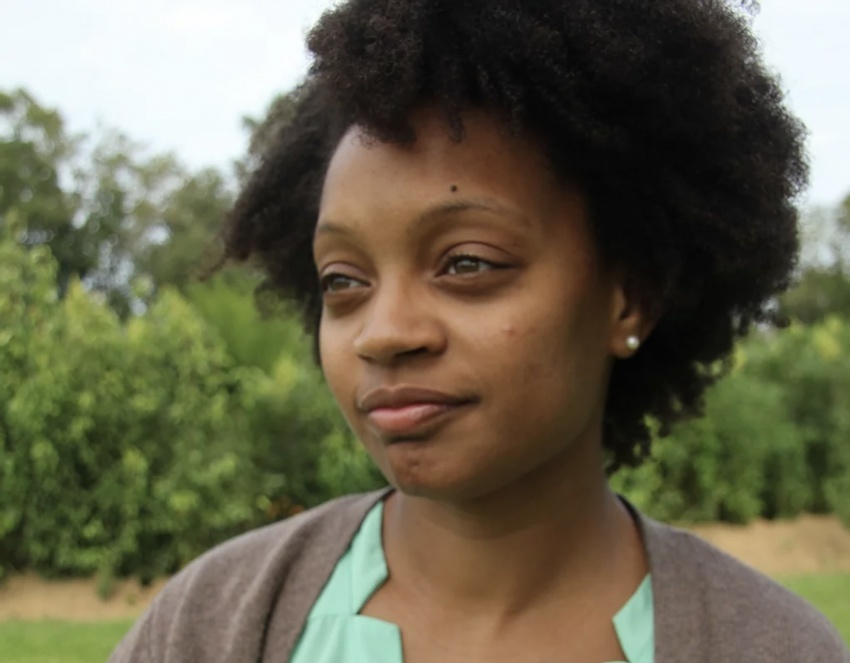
(335, 633)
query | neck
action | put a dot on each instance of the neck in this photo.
(559, 531)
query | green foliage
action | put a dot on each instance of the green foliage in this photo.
(813, 365)
(155, 221)
(122, 442)
(823, 287)
(133, 447)
(296, 431)
(34, 147)
(741, 461)
(189, 218)
(821, 292)
(109, 213)
(227, 304)
(295, 434)
(262, 132)
(773, 442)
(27, 284)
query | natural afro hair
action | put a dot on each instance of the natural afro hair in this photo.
(661, 110)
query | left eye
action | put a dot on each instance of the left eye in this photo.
(460, 265)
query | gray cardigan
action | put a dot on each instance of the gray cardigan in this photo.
(246, 601)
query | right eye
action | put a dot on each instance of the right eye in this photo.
(336, 282)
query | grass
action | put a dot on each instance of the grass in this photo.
(830, 594)
(59, 642)
(64, 642)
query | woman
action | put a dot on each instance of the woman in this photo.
(519, 229)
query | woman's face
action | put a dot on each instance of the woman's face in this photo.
(468, 323)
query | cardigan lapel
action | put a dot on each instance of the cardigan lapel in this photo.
(682, 624)
(680, 614)
(306, 576)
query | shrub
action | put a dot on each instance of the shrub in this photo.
(133, 447)
(813, 366)
(742, 460)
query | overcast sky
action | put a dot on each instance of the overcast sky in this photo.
(179, 74)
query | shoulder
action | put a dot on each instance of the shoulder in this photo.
(264, 551)
(332, 518)
(742, 612)
(235, 587)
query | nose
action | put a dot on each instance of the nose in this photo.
(399, 323)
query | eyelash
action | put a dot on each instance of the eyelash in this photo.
(328, 279)
(453, 260)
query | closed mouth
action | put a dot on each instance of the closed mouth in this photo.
(413, 420)
(406, 412)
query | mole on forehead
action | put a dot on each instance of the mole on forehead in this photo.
(454, 188)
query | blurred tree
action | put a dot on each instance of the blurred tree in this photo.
(121, 193)
(110, 213)
(132, 447)
(253, 339)
(823, 287)
(261, 132)
(34, 148)
(188, 223)
(819, 293)
(160, 218)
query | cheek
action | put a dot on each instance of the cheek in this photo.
(335, 369)
(552, 365)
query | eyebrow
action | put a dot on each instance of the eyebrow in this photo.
(437, 211)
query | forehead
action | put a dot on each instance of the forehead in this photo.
(487, 162)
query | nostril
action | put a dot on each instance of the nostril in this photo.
(390, 355)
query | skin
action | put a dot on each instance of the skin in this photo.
(469, 268)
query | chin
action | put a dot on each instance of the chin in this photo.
(451, 486)
(421, 469)
(447, 470)
(435, 492)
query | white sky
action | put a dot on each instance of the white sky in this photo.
(178, 75)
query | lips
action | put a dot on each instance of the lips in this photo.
(407, 410)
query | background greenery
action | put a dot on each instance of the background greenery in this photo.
(59, 642)
(146, 415)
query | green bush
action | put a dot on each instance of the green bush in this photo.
(299, 439)
(728, 465)
(227, 304)
(123, 442)
(132, 448)
(775, 440)
(27, 284)
(296, 433)
(812, 365)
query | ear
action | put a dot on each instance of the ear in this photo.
(635, 312)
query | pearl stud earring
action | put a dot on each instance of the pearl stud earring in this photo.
(633, 343)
